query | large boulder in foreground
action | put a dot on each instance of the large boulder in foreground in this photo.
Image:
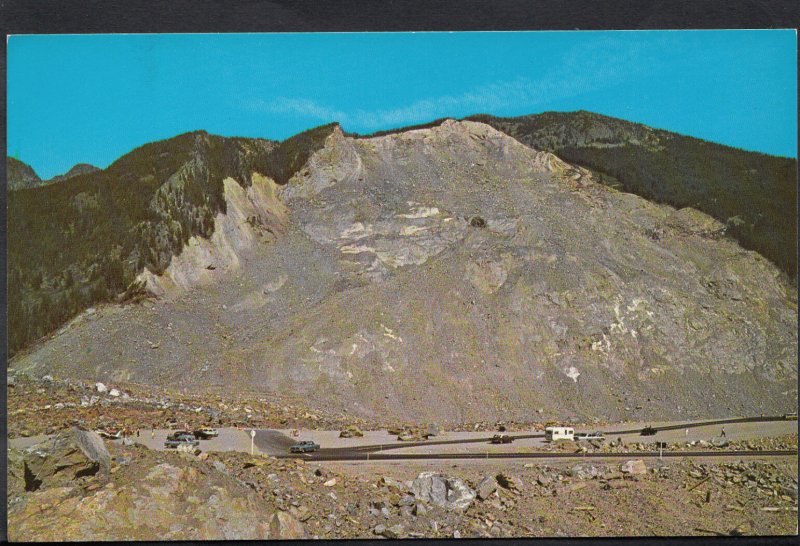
(146, 495)
(65, 460)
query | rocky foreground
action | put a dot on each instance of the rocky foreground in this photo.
(76, 487)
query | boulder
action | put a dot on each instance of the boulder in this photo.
(100, 387)
(391, 483)
(395, 531)
(487, 486)
(283, 526)
(449, 493)
(634, 467)
(114, 392)
(459, 494)
(433, 430)
(351, 431)
(430, 487)
(63, 459)
(584, 471)
(790, 491)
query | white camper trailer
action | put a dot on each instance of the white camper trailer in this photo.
(553, 434)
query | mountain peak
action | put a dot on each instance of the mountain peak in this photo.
(20, 175)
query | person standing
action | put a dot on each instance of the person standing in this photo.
(723, 432)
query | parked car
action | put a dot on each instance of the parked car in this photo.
(648, 431)
(205, 433)
(185, 438)
(502, 439)
(304, 447)
(596, 435)
(790, 416)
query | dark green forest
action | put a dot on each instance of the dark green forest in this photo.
(83, 240)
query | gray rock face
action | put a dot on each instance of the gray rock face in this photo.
(394, 302)
(449, 493)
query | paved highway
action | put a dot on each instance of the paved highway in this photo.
(343, 455)
(682, 426)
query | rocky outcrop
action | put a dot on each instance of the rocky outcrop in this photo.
(143, 498)
(20, 175)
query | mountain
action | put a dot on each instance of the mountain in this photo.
(77, 170)
(85, 239)
(449, 273)
(753, 194)
(20, 175)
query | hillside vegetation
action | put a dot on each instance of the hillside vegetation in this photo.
(753, 193)
(84, 239)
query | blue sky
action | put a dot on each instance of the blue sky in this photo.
(92, 98)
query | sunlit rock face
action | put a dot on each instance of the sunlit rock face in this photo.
(453, 273)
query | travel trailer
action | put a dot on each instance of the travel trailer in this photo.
(553, 434)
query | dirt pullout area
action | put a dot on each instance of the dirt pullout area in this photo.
(128, 492)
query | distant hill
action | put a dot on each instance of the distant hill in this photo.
(77, 170)
(85, 239)
(754, 194)
(20, 175)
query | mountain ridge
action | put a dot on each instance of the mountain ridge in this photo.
(453, 273)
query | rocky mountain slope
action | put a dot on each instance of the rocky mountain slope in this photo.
(753, 194)
(85, 239)
(20, 175)
(454, 274)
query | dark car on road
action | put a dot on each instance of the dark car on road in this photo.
(304, 447)
(502, 439)
(648, 431)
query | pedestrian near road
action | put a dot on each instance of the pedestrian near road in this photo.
(152, 434)
(723, 432)
(687, 433)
